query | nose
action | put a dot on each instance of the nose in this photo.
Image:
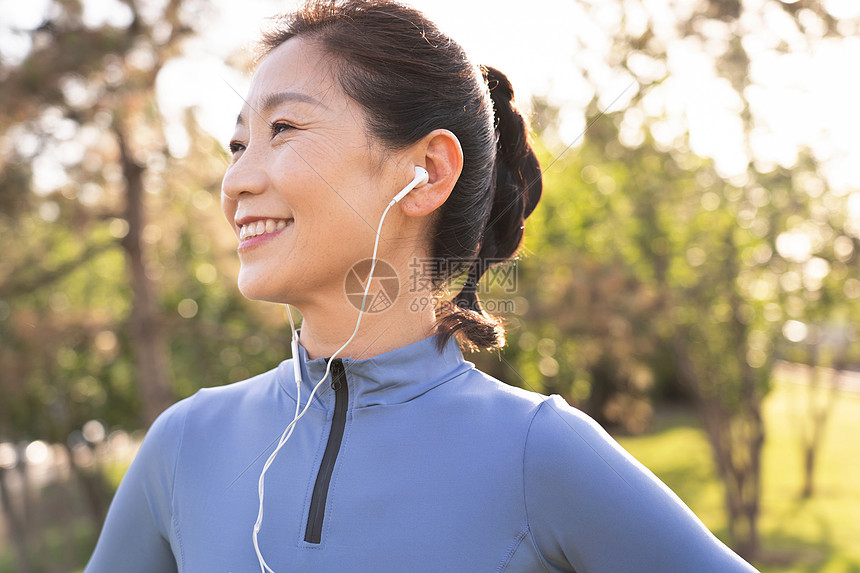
(245, 176)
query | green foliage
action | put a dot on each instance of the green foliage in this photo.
(641, 244)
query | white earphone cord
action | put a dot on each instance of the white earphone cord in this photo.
(288, 431)
(284, 437)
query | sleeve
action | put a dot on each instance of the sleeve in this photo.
(592, 508)
(138, 533)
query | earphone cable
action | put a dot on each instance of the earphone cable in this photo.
(264, 566)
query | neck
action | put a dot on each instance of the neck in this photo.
(328, 318)
(325, 329)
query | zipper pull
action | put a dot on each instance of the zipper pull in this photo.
(336, 371)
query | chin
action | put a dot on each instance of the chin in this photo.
(262, 290)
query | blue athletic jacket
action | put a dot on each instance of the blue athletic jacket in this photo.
(410, 461)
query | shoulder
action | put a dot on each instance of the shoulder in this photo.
(487, 397)
(483, 386)
(560, 434)
(592, 504)
(253, 388)
(209, 411)
(568, 450)
(216, 403)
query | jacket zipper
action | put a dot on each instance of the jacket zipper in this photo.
(313, 531)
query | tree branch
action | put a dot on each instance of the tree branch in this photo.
(45, 278)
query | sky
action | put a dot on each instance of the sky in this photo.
(803, 94)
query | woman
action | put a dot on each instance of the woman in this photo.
(397, 455)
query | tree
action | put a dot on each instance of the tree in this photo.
(81, 134)
(667, 266)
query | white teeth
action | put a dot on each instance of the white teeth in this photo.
(261, 227)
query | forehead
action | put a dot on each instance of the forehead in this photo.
(296, 67)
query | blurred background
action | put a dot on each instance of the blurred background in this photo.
(690, 278)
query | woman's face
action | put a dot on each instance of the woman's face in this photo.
(306, 187)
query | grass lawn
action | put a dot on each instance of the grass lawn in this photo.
(820, 535)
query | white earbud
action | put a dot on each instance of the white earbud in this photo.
(421, 177)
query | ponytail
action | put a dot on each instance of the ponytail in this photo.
(515, 188)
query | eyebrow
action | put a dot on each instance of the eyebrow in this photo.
(274, 99)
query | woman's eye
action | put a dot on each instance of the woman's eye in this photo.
(280, 127)
(277, 128)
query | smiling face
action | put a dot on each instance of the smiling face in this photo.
(306, 186)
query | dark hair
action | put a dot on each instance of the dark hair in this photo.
(411, 79)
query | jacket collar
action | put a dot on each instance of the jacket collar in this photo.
(393, 377)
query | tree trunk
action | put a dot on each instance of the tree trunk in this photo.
(147, 335)
(819, 413)
(16, 524)
(92, 485)
(809, 436)
(736, 439)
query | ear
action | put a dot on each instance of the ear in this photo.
(439, 152)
